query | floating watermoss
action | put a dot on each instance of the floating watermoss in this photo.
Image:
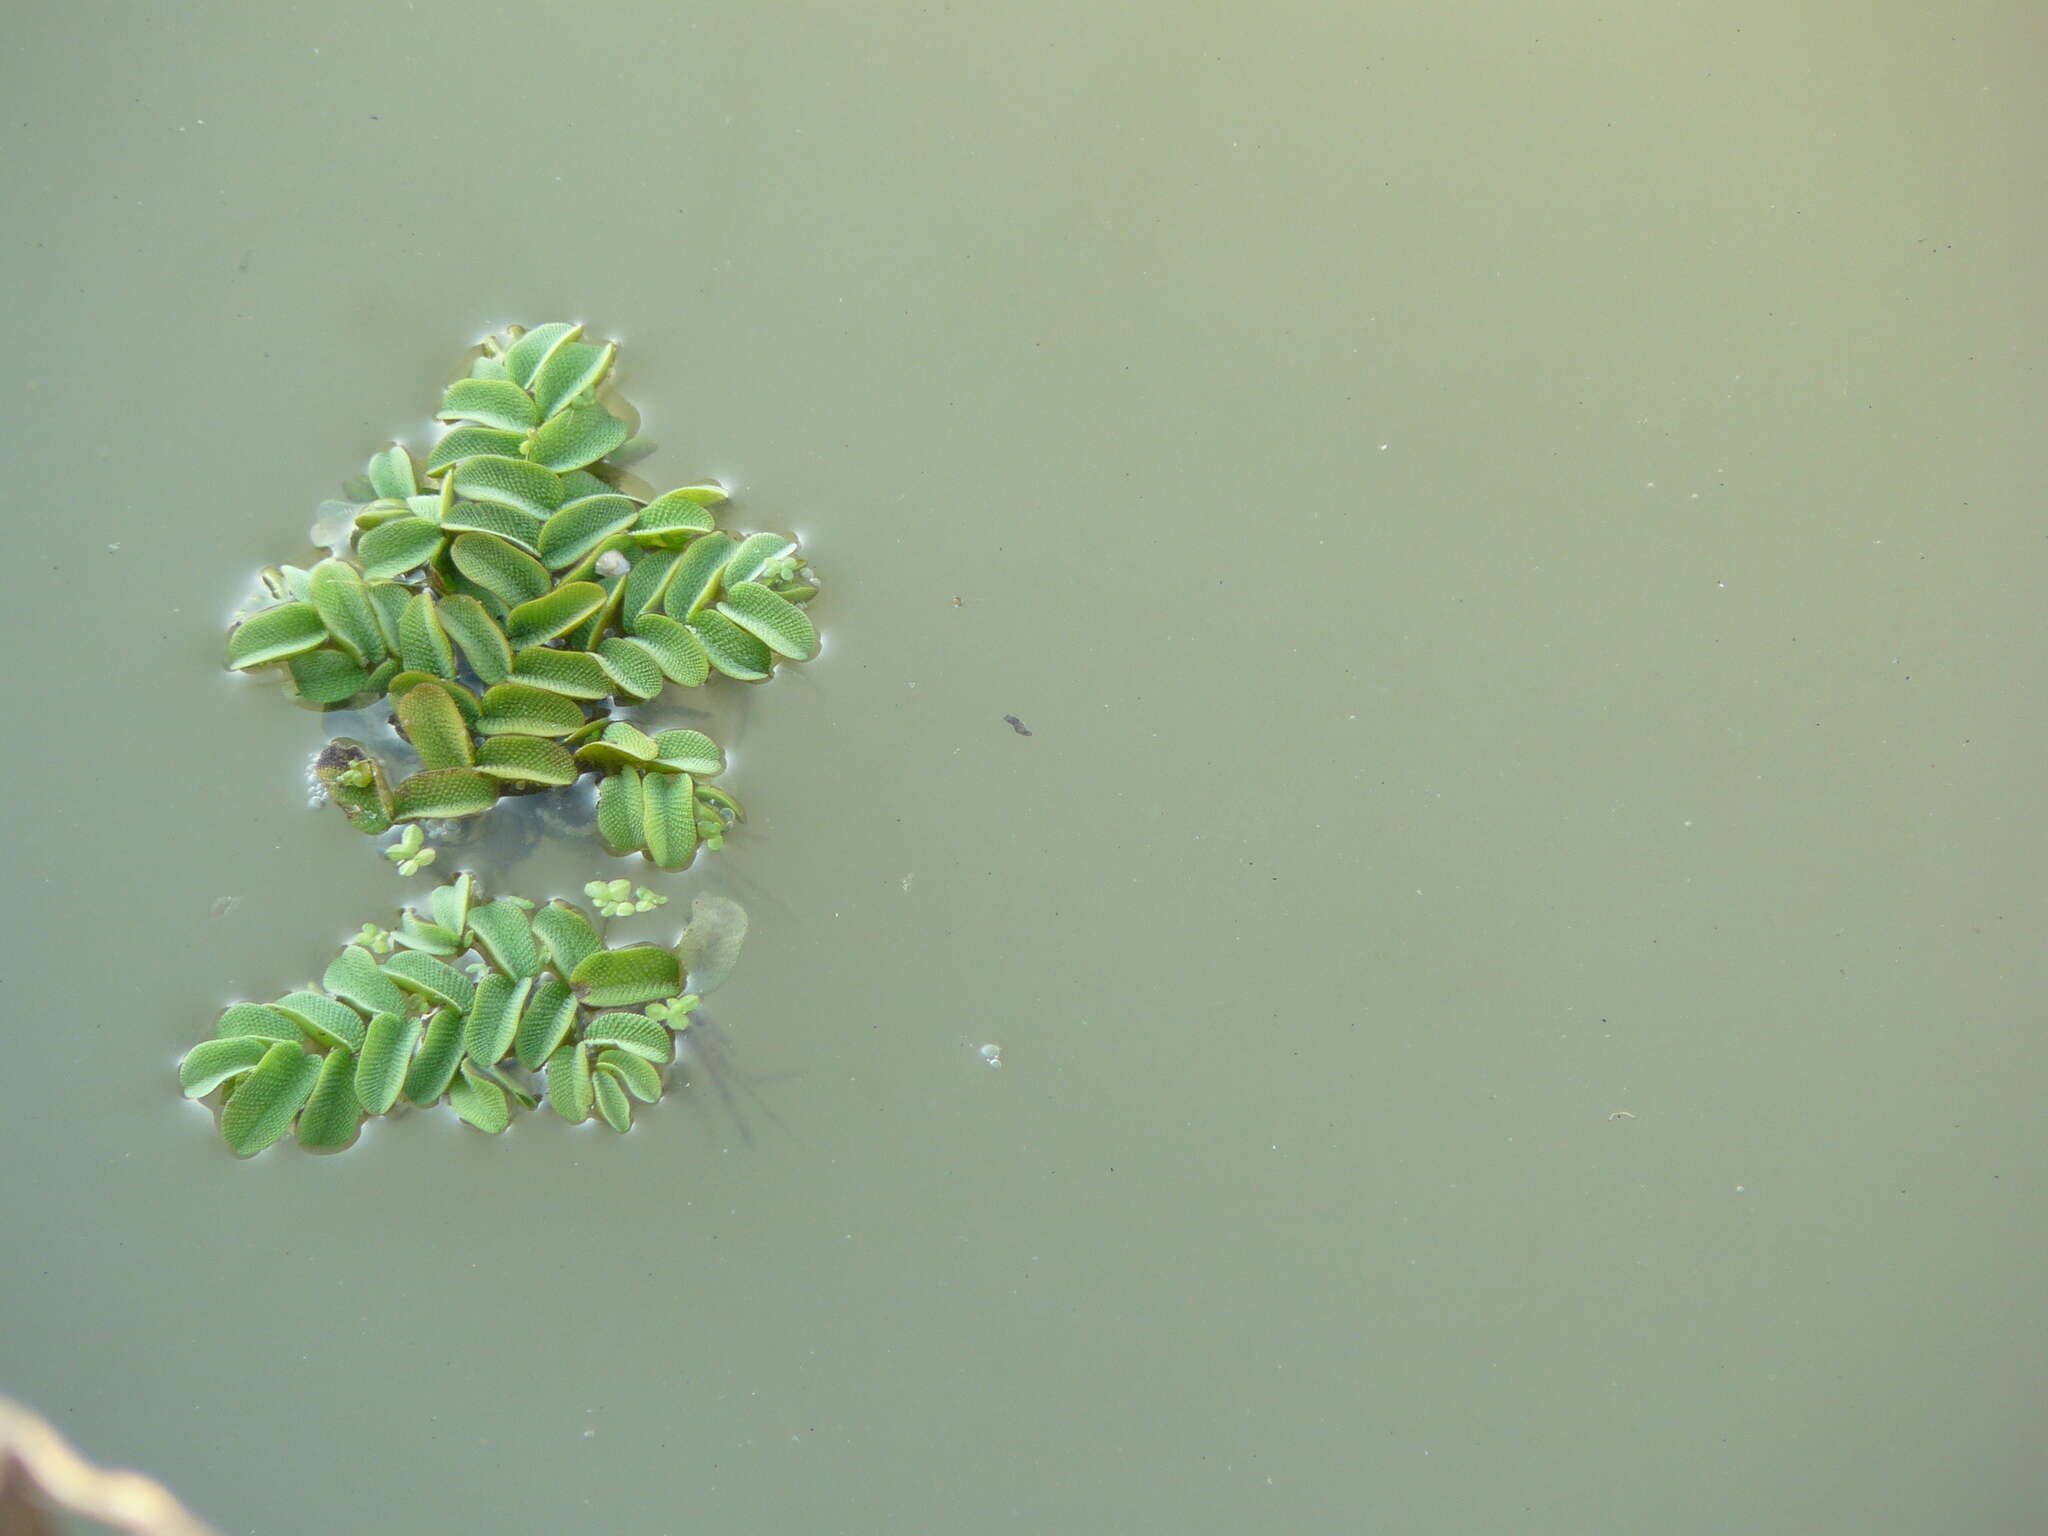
(488, 1005)
(507, 598)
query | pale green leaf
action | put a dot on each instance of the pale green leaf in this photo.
(401, 545)
(619, 813)
(682, 751)
(639, 1077)
(508, 482)
(783, 627)
(212, 1062)
(669, 820)
(484, 644)
(504, 933)
(332, 1114)
(473, 442)
(263, 1107)
(357, 979)
(582, 525)
(274, 634)
(755, 552)
(438, 983)
(731, 649)
(680, 654)
(450, 902)
(545, 1023)
(489, 403)
(631, 665)
(257, 1021)
(677, 512)
(427, 1078)
(505, 571)
(386, 1054)
(573, 674)
(526, 760)
(567, 372)
(524, 357)
(479, 1101)
(514, 709)
(567, 935)
(569, 1087)
(612, 1102)
(322, 1017)
(336, 589)
(391, 474)
(514, 526)
(623, 745)
(578, 435)
(429, 719)
(443, 793)
(695, 585)
(327, 676)
(422, 642)
(647, 581)
(494, 1018)
(631, 1032)
(619, 978)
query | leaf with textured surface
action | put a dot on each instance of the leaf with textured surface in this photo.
(754, 552)
(619, 811)
(569, 1090)
(582, 525)
(684, 751)
(504, 481)
(479, 1101)
(212, 1062)
(505, 571)
(578, 435)
(493, 1019)
(435, 727)
(508, 523)
(623, 745)
(524, 357)
(573, 674)
(631, 1032)
(489, 403)
(471, 443)
(710, 946)
(391, 474)
(555, 613)
(696, 580)
(631, 666)
(545, 1023)
(327, 676)
(438, 983)
(567, 935)
(640, 1077)
(619, 978)
(567, 372)
(514, 709)
(505, 934)
(669, 820)
(356, 978)
(336, 590)
(526, 760)
(322, 1017)
(257, 1021)
(332, 1114)
(274, 634)
(441, 793)
(781, 626)
(428, 1077)
(401, 545)
(269, 1099)
(484, 644)
(647, 581)
(386, 1054)
(677, 512)
(731, 649)
(680, 654)
(422, 642)
(450, 903)
(612, 1102)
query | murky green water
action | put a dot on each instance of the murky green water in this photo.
(1514, 936)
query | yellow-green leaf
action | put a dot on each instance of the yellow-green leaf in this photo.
(612, 1102)
(422, 642)
(582, 525)
(401, 545)
(427, 1078)
(619, 811)
(619, 978)
(506, 572)
(567, 372)
(545, 1024)
(331, 1114)
(526, 760)
(435, 727)
(569, 1089)
(573, 674)
(489, 403)
(269, 1099)
(381, 1068)
(783, 627)
(696, 580)
(494, 1018)
(477, 633)
(578, 435)
(508, 482)
(505, 934)
(514, 709)
(567, 933)
(355, 977)
(443, 793)
(479, 1101)
(679, 653)
(631, 1032)
(640, 1078)
(731, 649)
(473, 442)
(326, 676)
(212, 1062)
(669, 819)
(438, 983)
(554, 614)
(274, 634)
(525, 356)
(331, 1022)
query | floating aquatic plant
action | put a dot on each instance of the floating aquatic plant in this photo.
(508, 599)
(490, 1005)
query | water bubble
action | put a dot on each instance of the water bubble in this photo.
(992, 1054)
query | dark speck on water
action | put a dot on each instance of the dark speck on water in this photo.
(1017, 725)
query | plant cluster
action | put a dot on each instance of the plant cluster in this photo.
(488, 1004)
(509, 600)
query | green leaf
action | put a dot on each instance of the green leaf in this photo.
(631, 1032)
(508, 574)
(524, 357)
(256, 1021)
(505, 934)
(582, 434)
(391, 474)
(619, 814)
(494, 1018)
(337, 592)
(269, 1099)
(381, 1068)
(356, 978)
(623, 745)
(676, 512)
(669, 823)
(427, 938)
(465, 702)
(567, 934)
(484, 644)
(514, 709)
(520, 529)
(331, 1114)
(710, 946)
(388, 600)
(755, 552)
(422, 642)
(212, 1062)
(526, 760)
(427, 1079)
(688, 752)
(619, 978)
(631, 667)
(323, 1018)
(439, 984)
(489, 403)
(473, 442)
(567, 372)
(554, 614)
(569, 1087)
(680, 654)
(479, 1101)
(440, 793)
(647, 581)
(450, 903)
(782, 627)
(573, 674)
(582, 525)
(612, 1102)
(509, 482)
(274, 634)
(696, 579)
(327, 677)
(430, 721)
(640, 1078)
(545, 1024)
(401, 545)
(731, 649)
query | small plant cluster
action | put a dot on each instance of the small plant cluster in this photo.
(508, 599)
(486, 1004)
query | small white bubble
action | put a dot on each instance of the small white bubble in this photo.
(992, 1054)
(612, 563)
